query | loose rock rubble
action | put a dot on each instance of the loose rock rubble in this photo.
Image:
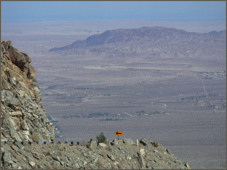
(92, 155)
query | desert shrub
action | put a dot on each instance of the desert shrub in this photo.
(155, 144)
(101, 138)
(35, 138)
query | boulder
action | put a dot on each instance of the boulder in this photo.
(9, 98)
(14, 134)
(117, 142)
(110, 157)
(4, 84)
(127, 141)
(52, 132)
(19, 145)
(2, 48)
(144, 141)
(9, 127)
(16, 113)
(25, 69)
(24, 125)
(31, 163)
(93, 144)
(36, 91)
(31, 72)
(141, 162)
(56, 157)
(142, 152)
(6, 44)
(7, 159)
(17, 58)
(102, 145)
(28, 59)
(141, 155)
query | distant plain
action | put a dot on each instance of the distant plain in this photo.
(161, 98)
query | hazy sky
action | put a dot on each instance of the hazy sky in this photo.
(105, 10)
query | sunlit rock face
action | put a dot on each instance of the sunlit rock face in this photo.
(23, 117)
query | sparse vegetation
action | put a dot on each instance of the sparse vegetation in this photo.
(101, 138)
(111, 119)
(97, 114)
(157, 112)
(107, 95)
(142, 112)
(198, 97)
(70, 116)
(155, 144)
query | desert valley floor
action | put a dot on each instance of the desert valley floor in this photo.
(177, 101)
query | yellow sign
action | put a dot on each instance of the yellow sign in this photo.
(118, 133)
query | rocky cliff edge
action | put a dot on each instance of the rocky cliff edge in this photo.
(119, 154)
(23, 117)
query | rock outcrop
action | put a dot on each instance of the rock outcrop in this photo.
(23, 117)
(120, 154)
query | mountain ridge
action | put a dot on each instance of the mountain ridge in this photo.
(143, 34)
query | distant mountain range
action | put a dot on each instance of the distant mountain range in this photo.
(144, 35)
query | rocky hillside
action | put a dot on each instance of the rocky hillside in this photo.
(25, 128)
(23, 117)
(119, 154)
(152, 35)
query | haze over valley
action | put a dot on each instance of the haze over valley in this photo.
(159, 80)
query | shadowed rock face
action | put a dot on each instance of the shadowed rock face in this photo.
(22, 114)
